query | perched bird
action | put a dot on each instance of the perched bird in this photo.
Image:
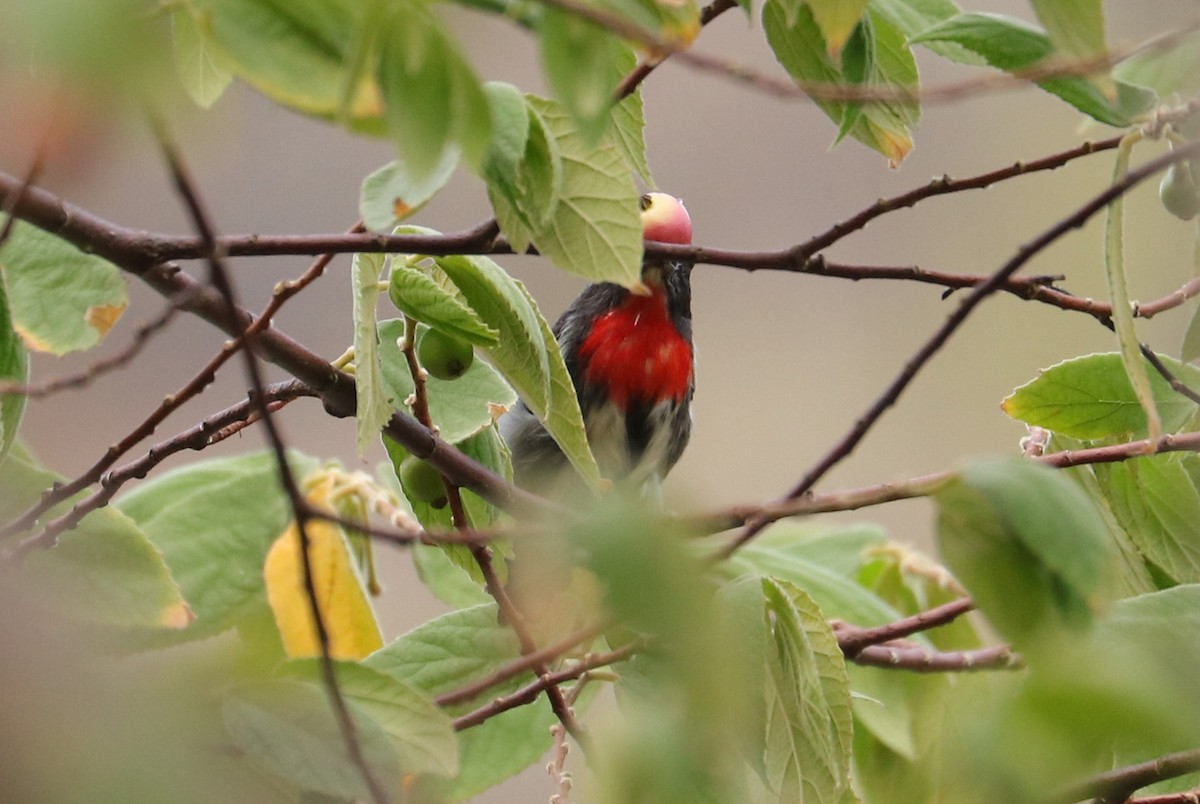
(630, 357)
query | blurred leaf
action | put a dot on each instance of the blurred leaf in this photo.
(1012, 45)
(880, 58)
(341, 596)
(1190, 350)
(373, 409)
(433, 99)
(1090, 398)
(453, 650)
(202, 77)
(1027, 544)
(393, 193)
(104, 571)
(912, 583)
(1076, 29)
(914, 16)
(1157, 502)
(808, 701)
(61, 299)
(14, 367)
(448, 581)
(836, 19)
(806, 563)
(1170, 70)
(214, 521)
(288, 728)
(595, 229)
(294, 52)
(460, 407)
(421, 298)
(578, 58)
(419, 731)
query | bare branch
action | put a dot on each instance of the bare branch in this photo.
(220, 279)
(1115, 786)
(853, 639)
(851, 439)
(922, 660)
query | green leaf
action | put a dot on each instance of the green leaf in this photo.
(461, 407)
(578, 58)
(1122, 315)
(105, 570)
(432, 96)
(373, 408)
(1076, 29)
(289, 728)
(629, 124)
(456, 649)
(595, 229)
(1190, 350)
(393, 193)
(202, 77)
(524, 187)
(808, 719)
(419, 731)
(1172, 69)
(1156, 500)
(214, 522)
(1090, 398)
(1027, 544)
(881, 58)
(14, 367)
(293, 52)
(527, 354)
(419, 297)
(61, 299)
(805, 562)
(836, 19)
(914, 16)
(1012, 45)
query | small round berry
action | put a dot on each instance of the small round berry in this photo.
(421, 482)
(1178, 192)
(444, 356)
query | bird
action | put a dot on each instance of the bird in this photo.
(632, 361)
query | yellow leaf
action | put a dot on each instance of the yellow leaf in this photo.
(102, 317)
(341, 597)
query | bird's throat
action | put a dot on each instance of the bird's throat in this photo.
(637, 353)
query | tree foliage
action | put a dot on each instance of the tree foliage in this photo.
(752, 657)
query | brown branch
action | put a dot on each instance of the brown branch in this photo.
(922, 660)
(141, 337)
(853, 639)
(544, 683)
(1115, 786)
(221, 281)
(630, 83)
(1185, 797)
(892, 393)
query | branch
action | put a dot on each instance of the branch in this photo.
(921, 660)
(221, 281)
(1187, 797)
(545, 682)
(630, 83)
(141, 336)
(923, 355)
(853, 639)
(1115, 786)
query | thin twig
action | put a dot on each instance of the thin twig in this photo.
(892, 393)
(922, 660)
(630, 83)
(219, 277)
(853, 639)
(141, 337)
(544, 683)
(1115, 786)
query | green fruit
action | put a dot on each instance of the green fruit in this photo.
(444, 356)
(1178, 192)
(421, 482)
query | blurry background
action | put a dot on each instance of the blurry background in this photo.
(786, 362)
